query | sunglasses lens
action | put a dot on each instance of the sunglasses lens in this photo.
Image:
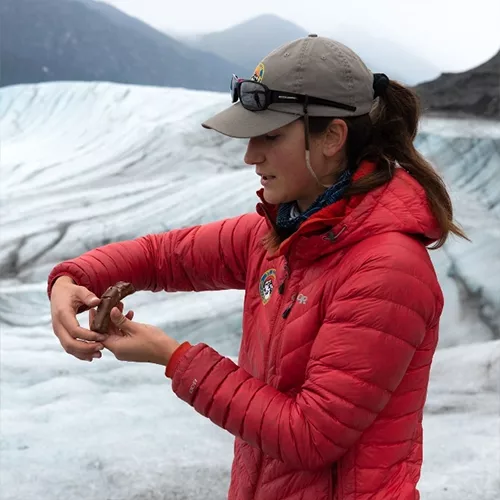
(253, 96)
(234, 88)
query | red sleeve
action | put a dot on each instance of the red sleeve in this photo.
(175, 358)
(207, 257)
(373, 326)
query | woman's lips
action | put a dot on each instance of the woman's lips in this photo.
(265, 180)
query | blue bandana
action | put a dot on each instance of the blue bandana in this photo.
(289, 217)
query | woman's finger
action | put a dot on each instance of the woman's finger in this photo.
(78, 348)
(96, 355)
(114, 329)
(68, 321)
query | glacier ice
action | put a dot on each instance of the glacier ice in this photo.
(84, 164)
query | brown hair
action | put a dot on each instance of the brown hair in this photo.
(386, 136)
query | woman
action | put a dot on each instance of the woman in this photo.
(342, 303)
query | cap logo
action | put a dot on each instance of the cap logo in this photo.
(258, 74)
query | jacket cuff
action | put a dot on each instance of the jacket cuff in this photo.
(175, 358)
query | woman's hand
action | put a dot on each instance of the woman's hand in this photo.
(132, 341)
(65, 300)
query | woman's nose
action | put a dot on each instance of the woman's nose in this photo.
(254, 154)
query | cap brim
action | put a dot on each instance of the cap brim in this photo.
(238, 122)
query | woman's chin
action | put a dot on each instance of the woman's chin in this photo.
(272, 197)
(275, 197)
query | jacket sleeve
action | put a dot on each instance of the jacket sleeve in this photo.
(207, 257)
(374, 324)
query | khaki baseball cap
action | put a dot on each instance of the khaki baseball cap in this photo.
(315, 66)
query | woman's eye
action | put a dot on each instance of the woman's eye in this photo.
(271, 137)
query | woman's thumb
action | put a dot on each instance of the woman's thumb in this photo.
(119, 319)
(89, 299)
(92, 301)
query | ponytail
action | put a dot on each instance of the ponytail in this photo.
(394, 127)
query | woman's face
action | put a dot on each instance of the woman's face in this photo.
(280, 160)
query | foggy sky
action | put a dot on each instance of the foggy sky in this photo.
(452, 35)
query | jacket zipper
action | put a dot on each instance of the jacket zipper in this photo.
(339, 489)
(281, 291)
(286, 312)
(281, 287)
(288, 309)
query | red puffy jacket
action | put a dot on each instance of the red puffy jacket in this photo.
(339, 331)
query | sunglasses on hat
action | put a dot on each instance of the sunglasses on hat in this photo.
(255, 96)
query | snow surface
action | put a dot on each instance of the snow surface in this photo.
(85, 164)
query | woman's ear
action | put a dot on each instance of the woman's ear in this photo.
(335, 137)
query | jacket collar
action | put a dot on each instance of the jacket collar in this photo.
(400, 205)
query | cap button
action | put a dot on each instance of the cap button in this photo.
(312, 35)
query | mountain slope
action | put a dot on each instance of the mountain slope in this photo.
(386, 56)
(473, 92)
(248, 42)
(53, 40)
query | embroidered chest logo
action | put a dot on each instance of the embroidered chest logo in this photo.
(266, 285)
(302, 299)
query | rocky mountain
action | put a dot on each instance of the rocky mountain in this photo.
(87, 40)
(247, 43)
(473, 92)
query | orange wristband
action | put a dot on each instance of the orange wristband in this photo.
(175, 358)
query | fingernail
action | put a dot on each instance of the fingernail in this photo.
(101, 338)
(96, 355)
